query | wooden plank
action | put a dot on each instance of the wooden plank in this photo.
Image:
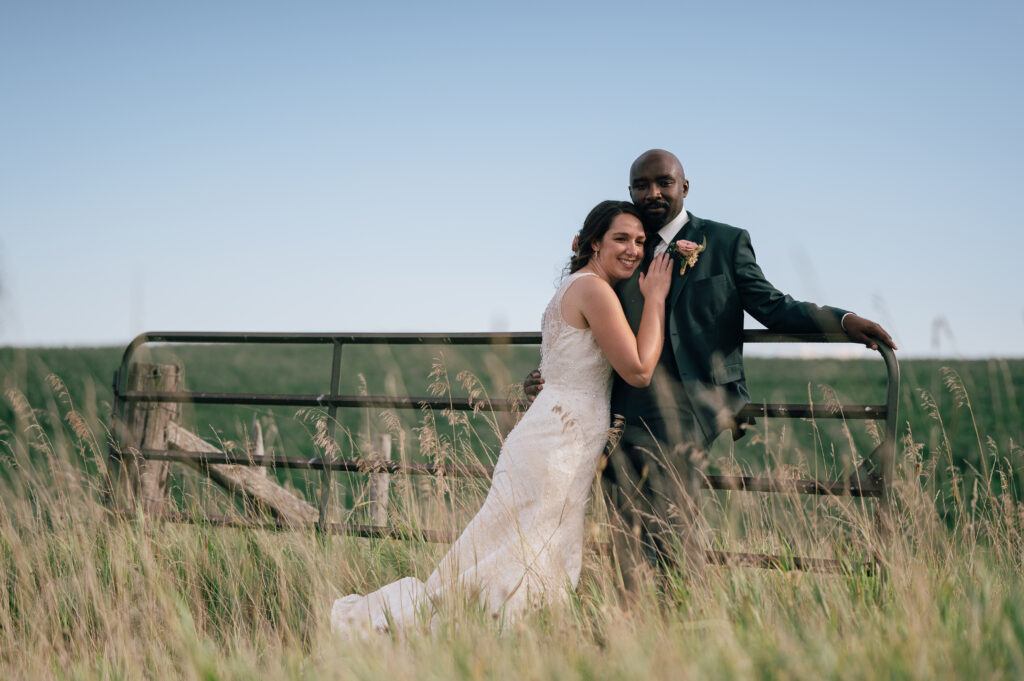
(246, 481)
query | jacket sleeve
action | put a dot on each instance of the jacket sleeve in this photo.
(776, 310)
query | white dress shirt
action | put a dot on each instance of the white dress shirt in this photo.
(669, 230)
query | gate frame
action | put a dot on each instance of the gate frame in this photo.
(872, 479)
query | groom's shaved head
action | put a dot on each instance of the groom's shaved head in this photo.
(656, 154)
(657, 185)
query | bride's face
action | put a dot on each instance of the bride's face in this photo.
(621, 249)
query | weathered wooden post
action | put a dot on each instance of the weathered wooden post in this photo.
(380, 482)
(145, 427)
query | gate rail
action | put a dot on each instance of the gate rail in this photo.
(872, 479)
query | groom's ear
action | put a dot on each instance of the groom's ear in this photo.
(686, 188)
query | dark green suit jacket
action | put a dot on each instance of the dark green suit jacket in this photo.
(704, 325)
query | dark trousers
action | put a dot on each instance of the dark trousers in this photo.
(651, 481)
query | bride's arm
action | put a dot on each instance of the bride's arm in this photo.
(632, 357)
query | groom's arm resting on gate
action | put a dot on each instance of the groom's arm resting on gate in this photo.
(780, 312)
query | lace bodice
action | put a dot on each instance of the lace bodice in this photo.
(570, 357)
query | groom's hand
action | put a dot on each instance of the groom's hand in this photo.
(533, 384)
(866, 331)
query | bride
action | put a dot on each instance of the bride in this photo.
(525, 545)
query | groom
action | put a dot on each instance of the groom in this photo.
(652, 478)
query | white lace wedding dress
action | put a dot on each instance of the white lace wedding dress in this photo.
(525, 545)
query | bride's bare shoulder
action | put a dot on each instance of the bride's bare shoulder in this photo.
(588, 292)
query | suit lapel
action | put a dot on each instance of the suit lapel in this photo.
(691, 231)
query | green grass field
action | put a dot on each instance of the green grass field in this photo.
(87, 596)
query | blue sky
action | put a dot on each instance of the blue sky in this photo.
(327, 166)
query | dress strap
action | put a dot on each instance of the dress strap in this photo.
(576, 275)
(556, 302)
(567, 282)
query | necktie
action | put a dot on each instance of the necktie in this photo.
(653, 244)
(659, 245)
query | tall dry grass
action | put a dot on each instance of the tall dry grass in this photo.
(87, 596)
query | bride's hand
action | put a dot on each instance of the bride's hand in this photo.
(658, 279)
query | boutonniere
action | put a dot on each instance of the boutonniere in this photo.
(686, 252)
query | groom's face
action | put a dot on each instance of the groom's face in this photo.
(657, 186)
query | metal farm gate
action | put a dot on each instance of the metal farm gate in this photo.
(873, 479)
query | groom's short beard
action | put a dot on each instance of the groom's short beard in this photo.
(652, 223)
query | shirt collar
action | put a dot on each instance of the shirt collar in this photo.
(672, 228)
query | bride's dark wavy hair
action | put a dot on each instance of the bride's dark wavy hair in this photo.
(595, 226)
